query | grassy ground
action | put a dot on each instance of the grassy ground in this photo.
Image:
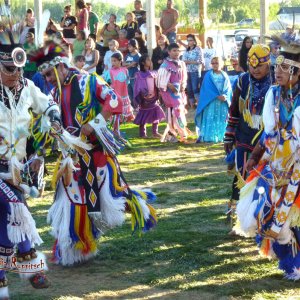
(188, 256)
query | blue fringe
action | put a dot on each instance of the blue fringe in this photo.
(73, 235)
(151, 197)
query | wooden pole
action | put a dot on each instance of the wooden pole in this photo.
(202, 19)
(38, 14)
(264, 12)
(150, 21)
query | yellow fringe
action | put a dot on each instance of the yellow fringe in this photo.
(248, 118)
(248, 188)
(240, 180)
(54, 177)
(257, 135)
(294, 216)
(152, 212)
(115, 181)
(135, 216)
(142, 194)
(58, 81)
(86, 100)
(89, 243)
(241, 105)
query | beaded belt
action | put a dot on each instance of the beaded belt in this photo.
(6, 251)
(4, 162)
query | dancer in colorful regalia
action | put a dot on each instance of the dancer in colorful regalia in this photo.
(244, 125)
(171, 80)
(269, 206)
(18, 232)
(94, 195)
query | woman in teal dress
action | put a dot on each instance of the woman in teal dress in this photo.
(212, 109)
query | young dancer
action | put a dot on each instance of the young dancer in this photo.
(171, 80)
(146, 96)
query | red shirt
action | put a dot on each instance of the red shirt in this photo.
(123, 44)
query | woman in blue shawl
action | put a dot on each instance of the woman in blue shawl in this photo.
(212, 109)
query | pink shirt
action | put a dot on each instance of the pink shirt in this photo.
(81, 24)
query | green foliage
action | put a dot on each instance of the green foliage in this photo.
(273, 10)
(225, 11)
(56, 9)
(230, 11)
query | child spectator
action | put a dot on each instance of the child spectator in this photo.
(79, 62)
(91, 56)
(131, 63)
(123, 42)
(113, 48)
(119, 78)
(140, 37)
(146, 96)
(79, 44)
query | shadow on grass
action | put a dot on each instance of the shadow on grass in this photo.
(188, 256)
(176, 257)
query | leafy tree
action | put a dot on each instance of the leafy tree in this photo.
(273, 10)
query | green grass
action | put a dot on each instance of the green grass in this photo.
(188, 256)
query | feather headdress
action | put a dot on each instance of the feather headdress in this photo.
(289, 51)
(286, 46)
(48, 56)
(11, 51)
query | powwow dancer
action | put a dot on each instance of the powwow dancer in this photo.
(19, 96)
(171, 80)
(95, 194)
(269, 205)
(146, 96)
(244, 125)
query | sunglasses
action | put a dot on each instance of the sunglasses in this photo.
(66, 11)
(215, 63)
(11, 69)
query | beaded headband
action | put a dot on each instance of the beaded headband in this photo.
(52, 63)
(282, 60)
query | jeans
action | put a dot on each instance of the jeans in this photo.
(171, 37)
(193, 86)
